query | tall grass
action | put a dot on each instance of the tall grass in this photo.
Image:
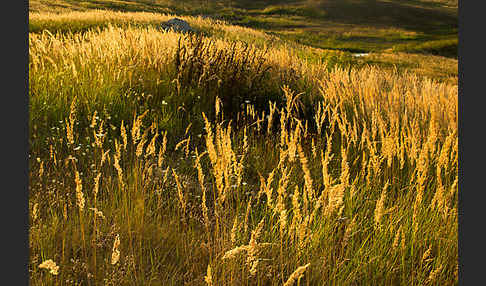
(161, 159)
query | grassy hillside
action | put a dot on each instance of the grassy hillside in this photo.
(234, 156)
(349, 25)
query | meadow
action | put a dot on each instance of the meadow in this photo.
(235, 155)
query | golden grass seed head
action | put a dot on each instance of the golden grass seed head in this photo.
(427, 254)
(124, 136)
(434, 274)
(380, 206)
(96, 184)
(51, 266)
(98, 213)
(115, 254)
(162, 150)
(230, 254)
(151, 148)
(35, 211)
(180, 192)
(296, 275)
(141, 144)
(396, 240)
(79, 191)
(209, 276)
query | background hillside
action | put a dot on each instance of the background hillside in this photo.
(396, 33)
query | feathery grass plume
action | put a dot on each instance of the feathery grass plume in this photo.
(403, 242)
(136, 127)
(380, 206)
(258, 231)
(186, 149)
(115, 253)
(35, 211)
(141, 144)
(453, 189)
(213, 156)
(180, 193)
(166, 175)
(396, 240)
(427, 254)
(104, 157)
(439, 200)
(98, 213)
(187, 129)
(282, 188)
(335, 199)
(252, 259)
(64, 211)
(344, 177)
(162, 150)
(209, 276)
(321, 201)
(200, 177)
(376, 159)
(445, 151)
(41, 169)
(96, 185)
(319, 117)
(296, 275)
(434, 274)
(401, 150)
(302, 233)
(260, 121)
(79, 191)
(230, 254)
(388, 149)
(218, 104)
(292, 143)
(245, 144)
(265, 188)
(151, 149)
(309, 189)
(94, 119)
(116, 164)
(52, 154)
(100, 135)
(124, 136)
(71, 121)
(326, 177)
(297, 216)
(51, 266)
(291, 99)
(178, 145)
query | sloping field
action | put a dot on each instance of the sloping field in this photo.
(232, 157)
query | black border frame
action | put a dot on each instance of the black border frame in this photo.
(15, 207)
